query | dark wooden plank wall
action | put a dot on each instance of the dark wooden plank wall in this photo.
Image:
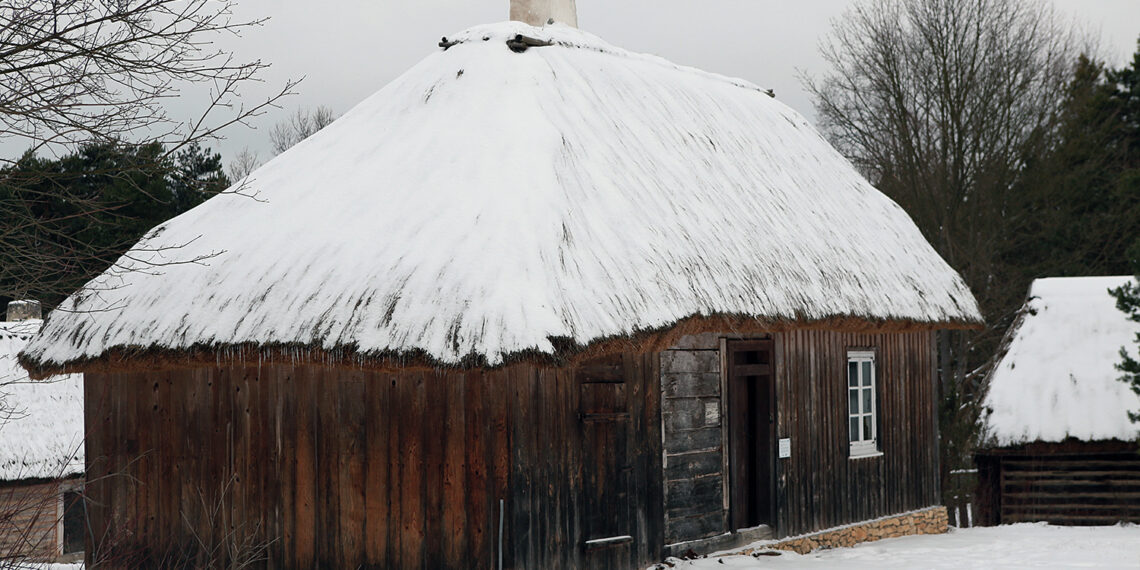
(1090, 488)
(820, 486)
(351, 468)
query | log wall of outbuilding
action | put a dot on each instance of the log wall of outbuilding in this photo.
(316, 466)
(1064, 483)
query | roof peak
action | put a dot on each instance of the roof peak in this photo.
(561, 35)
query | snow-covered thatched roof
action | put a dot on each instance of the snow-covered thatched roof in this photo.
(41, 422)
(1057, 378)
(488, 201)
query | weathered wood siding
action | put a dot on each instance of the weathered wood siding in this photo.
(819, 486)
(344, 468)
(694, 453)
(29, 521)
(1075, 483)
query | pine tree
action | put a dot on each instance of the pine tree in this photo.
(1126, 91)
(77, 214)
(1128, 300)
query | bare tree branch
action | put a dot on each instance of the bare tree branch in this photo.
(99, 72)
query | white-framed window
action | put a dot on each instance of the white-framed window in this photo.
(862, 412)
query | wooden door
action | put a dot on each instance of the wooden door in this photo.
(751, 427)
(607, 514)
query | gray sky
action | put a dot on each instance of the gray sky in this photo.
(348, 49)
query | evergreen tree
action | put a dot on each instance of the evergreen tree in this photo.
(1125, 91)
(1077, 207)
(79, 213)
(1128, 300)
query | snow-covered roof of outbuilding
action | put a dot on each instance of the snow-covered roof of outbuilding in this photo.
(487, 202)
(41, 421)
(1057, 378)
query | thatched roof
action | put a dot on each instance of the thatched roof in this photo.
(1057, 378)
(41, 422)
(488, 201)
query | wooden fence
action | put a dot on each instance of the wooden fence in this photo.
(960, 497)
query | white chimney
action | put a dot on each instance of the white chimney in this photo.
(539, 12)
(23, 310)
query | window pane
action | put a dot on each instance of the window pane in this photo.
(852, 373)
(855, 429)
(867, 400)
(866, 373)
(867, 427)
(853, 401)
(74, 522)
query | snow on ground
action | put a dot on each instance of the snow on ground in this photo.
(1025, 545)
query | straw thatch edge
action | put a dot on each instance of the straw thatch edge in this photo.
(567, 352)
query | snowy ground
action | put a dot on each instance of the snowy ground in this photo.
(1027, 545)
(1035, 545)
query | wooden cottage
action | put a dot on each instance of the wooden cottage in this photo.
(1060, 446)
(41, 452)
(539, 302)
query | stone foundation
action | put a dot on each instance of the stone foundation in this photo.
(927, 521)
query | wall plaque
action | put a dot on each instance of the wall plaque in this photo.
(785, 447)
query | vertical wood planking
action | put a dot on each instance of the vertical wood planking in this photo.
(305, 490)
(347, 468)
(521, 510)
(455, 545)
(477, 466)
(400, 395)
(820, 486)
(499, 391)
(412, 474)
(285, 426)
(434, 434)
(377, 478)
(350, 467)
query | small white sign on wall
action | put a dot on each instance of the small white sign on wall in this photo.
(785, 447)
(712, 413)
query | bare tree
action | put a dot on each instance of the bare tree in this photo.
(242, 164)
(300, 126)
(941, 103)
(77, 72)
(285, 134)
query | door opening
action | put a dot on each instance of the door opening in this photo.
(751, 427)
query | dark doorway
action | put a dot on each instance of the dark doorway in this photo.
(751, 426)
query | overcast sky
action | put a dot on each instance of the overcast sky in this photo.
(348, 49)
